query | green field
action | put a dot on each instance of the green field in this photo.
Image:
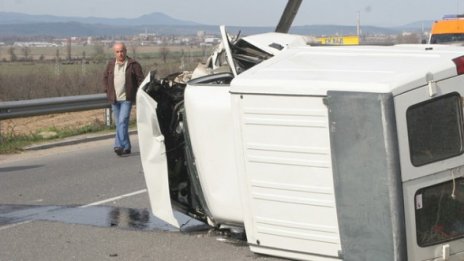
(90, 51)
(46, 72)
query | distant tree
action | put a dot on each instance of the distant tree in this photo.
(182, 60)
(133, 48)
(41, 57)
(11, 53)
(412, 38)
(99, 54)
(203, 51)
(68, 49)
(57, 62)
(164, 51)
(26, 52)
(57, 54)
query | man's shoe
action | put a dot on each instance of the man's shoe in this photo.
(118, 151)
(126, 151)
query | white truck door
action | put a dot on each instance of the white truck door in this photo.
(153, 156)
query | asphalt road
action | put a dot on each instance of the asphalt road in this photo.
(82, 202)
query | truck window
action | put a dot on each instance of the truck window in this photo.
(448, 30)
(446, 38)
(439, 212)
(435, 129)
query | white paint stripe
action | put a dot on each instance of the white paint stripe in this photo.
(15, 224)
(115, 198)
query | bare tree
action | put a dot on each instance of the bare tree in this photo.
(11, 53)
(26, 52)
(57, 62)
(182, 60)
(133, 48)
(408, 38)
(204, 51)
(99, 55)
(164, 51)
(57, 54)
(68, 49)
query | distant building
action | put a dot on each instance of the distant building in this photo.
(201, 34)
(212, 40)
(34, 44)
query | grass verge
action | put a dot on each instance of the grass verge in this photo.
(11, 143)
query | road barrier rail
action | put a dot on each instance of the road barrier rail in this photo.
(36, 107)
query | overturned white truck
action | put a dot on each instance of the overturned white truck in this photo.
(318, 153)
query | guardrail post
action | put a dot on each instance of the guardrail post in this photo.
(108, 117)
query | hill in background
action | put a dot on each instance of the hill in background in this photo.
(24, 25)
(149, 19)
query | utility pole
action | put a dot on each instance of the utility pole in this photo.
(286, 20)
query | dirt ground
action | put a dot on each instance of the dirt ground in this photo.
(31, 125)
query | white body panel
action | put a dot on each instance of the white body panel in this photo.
(286, 173)
(381, 69)
(286, 196)
(262, 41)
(211, 133)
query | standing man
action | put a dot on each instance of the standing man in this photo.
(121, 79)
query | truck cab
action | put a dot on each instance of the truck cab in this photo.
(449, 30)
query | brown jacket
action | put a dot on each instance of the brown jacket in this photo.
(134, 77)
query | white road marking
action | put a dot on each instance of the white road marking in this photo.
(115, 198)
(15, 224)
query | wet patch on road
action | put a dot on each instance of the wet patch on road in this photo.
(19, 168)
(100, 216)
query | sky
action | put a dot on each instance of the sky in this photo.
(248, 12)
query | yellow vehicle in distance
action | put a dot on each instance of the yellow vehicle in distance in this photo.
(338, 40)
(449, 30)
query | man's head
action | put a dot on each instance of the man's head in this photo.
(120, 52)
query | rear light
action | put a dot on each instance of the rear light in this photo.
(459, 61)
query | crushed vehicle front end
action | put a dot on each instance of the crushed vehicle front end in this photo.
(186, 134)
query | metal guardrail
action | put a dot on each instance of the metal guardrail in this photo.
(27, 108)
